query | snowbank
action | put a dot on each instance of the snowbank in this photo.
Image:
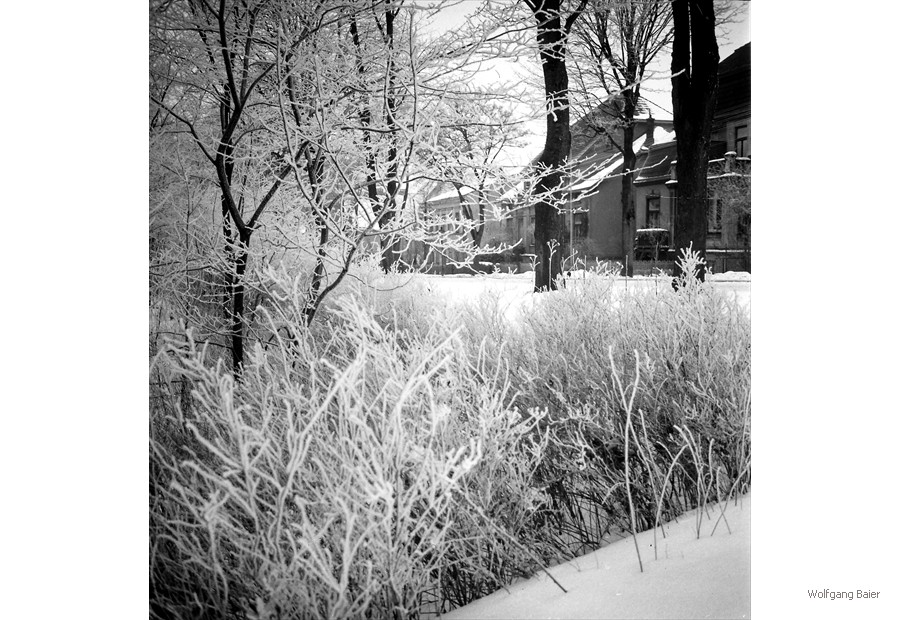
(729, 276)
(514, 291)
(707, 577)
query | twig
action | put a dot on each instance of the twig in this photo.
(659, 503)
(628, 407)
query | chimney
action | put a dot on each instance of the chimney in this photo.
(648, 131)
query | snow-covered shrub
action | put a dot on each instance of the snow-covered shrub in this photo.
(367, 474)
(403, 455)
(693, 349)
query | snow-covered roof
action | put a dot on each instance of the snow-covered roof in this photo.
(451, 193)
(512, 192)
(660, 135)
(605, 169)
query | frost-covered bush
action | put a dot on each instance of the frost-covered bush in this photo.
(368, 474)
(690, 414)
(404, 455)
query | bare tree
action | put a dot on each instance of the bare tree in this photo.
(476, 131)
(613, 46)
(695, 80)
(221, 59)
(553, 31)
(313, 121)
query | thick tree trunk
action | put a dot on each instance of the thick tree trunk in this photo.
(691, 205)
(547, 234)
(695, 65)
(628, 218)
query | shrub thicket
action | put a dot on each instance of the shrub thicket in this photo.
(362, 475)
(684, 354)
(407, 456)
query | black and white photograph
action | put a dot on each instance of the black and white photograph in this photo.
(450, 309)
(425, 309)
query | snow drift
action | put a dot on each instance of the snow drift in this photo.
(705, 577)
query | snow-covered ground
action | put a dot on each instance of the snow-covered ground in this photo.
(514, 291)
(705, 577)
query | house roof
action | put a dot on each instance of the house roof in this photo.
(591, 144)
(734, 86)
(738, 60)
(434, 196)
(653, 164)
(595, 158)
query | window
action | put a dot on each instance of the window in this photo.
(652, 211)
(743, 227)
(581, 225)
(742, 141)
(714, 215)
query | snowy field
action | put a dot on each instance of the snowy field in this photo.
(514, 291)
(705, 577)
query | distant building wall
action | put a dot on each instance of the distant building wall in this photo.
(605, 220)
(653, 206)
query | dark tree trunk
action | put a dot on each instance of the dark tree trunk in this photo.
(384, 210)
(628, 221)
(475, 215)
(478, 230)
(315, 170)
(695, 65)
(552, 36)
(237, 243)
(241, 81)
(241, 255)
(389, 243)
(365, 120)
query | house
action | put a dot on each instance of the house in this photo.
(592, 214)
(593, 229)
(455, 217)
(593, 218)
(656, 185)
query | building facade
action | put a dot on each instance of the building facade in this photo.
(591, 216)
(728, 217)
